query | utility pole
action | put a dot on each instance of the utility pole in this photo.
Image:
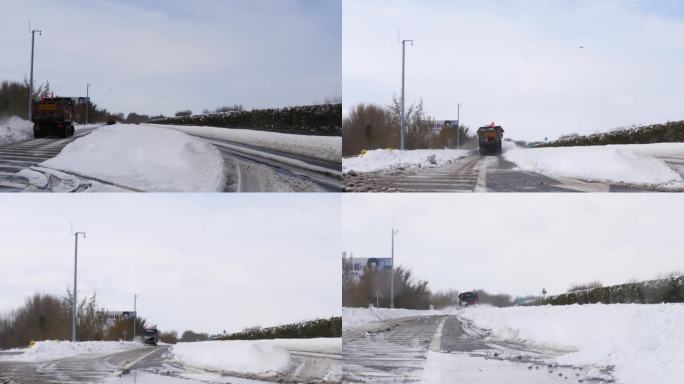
(403, 64)
(394, 232)
(87, 101)
(458, 126)
(74, 304)
(135, 313)
(30, 93)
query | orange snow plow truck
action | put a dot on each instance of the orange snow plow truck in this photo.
(490, 138)
(54, 116)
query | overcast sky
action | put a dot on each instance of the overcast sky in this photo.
(205, 262)
(519, 62)
(162, 56)
(519, 243)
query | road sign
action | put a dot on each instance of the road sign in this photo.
(451, 123)
(112, 317)
(360, 264)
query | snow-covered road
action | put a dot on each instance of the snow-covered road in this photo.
(257, 361)
(616, 168)
(126, 157)
(444, 349)
(621, 343)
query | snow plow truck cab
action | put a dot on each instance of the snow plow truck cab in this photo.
(54, 116)
(468, 298)
(489, 139)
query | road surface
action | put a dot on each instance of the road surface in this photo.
(248, 169)
(78, 369)
(445, 349)
(254, 169)
(476, 173)
(17, 156)
(151, 365)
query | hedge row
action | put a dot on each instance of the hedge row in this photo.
(669, 290)
(331, 327)
(657, 133)
(323, 119)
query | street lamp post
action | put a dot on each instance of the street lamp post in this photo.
(403, 64)
(74, 314)
(394, 232)
(30, 93)
(87, 101)
(458, 126)
(135, 313)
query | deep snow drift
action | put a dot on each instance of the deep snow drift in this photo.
(145, 158)
(387, 159)
(327, 148)
(57, 349)
(258, 357)
(14, 130)
(354, 317)
(643, 341)
(636, 164)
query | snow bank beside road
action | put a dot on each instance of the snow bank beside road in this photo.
(327, 148)
(145, 158)
(57, 349)
(386, 159)
(631, 164)
(354, 317)
(643, 341)
(14, 130)
(258, 357)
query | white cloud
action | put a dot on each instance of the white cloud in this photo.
(198, 261)
(519, 243)
(162, 57)
(519, 63)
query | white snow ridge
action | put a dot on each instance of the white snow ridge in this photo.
(144, 158)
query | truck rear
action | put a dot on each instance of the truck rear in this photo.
(54, 116)
(151, 336)
(468, 298)
(490, 139)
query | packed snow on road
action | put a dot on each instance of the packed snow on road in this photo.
(389, 159)
(354, 317)
(635, 164)
(57, 349)
(14, 130)
(643, 341)
(327, 148)
(262, 358)
(141, 158)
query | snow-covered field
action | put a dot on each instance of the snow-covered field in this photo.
(353, 317)
(643, 341)
(14, 130)
(258, 357)
(637, 164)
(146, 158)
(327, 148)
(56, 349)
(387, 159)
